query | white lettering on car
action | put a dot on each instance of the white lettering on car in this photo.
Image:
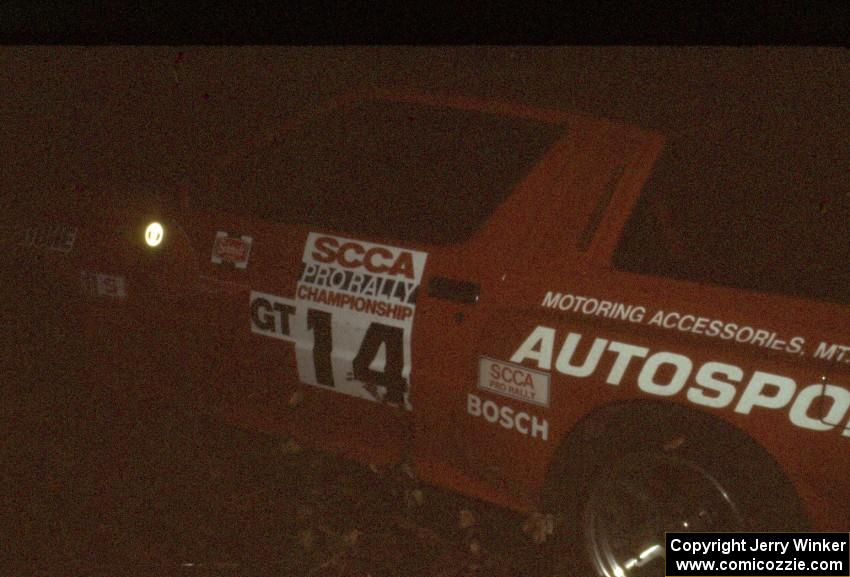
(507, 418)
(537, 347)
(514, 381)
(682, 366)
(713, 384)
(724, 391)
(565, 364)
(625, 353)
(754, 394)
(351, 319)
(832, 351)
(800, 409)
(686, 323)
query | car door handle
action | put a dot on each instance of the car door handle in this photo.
(454, 290)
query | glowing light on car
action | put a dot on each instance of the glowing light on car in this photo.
(154, 234)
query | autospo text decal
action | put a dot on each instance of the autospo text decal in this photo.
(713, 384)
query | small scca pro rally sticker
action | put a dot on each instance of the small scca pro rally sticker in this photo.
(351, 319)
(515, 381)
(231, 250)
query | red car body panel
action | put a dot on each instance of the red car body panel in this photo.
(549, 242)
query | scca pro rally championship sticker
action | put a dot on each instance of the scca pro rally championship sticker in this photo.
(352, 317)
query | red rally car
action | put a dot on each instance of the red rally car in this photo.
(507, 298)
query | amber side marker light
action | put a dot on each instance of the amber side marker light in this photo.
(153, 234)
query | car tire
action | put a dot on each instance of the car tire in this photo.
(632, 471)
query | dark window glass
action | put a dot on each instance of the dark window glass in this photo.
(397, 170)
(725, 223)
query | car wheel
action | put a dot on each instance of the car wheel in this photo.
(635, 470)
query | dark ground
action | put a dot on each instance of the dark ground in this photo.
(174, 495)
(96, 487)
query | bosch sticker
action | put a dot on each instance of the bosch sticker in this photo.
(231, 250)
(351, 319)
(515, 381)
(520, 421)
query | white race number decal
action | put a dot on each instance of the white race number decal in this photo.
(352, 318)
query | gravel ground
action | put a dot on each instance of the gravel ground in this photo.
(92, 488)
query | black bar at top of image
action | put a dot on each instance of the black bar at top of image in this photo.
(791, 554)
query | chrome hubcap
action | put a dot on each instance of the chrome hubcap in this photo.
(644, 496)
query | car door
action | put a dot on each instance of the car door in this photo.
(329, 247)
(505, 417)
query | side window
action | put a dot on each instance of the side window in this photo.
(694, 222)
(405, 171)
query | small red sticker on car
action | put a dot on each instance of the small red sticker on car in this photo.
(232, 250)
